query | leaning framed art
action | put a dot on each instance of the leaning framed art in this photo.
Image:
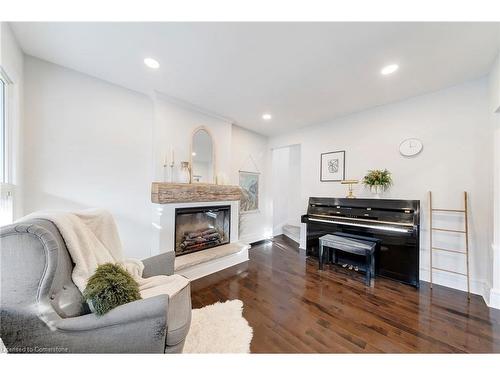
(332, 166)
(249, 183)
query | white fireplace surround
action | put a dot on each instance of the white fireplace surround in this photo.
(204, 262)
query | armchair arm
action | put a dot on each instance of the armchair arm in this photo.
(144, 309)
(136, 327)
(162, 264)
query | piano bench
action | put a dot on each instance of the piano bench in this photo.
(365, 249)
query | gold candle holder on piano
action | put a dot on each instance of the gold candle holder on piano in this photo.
(350, 183)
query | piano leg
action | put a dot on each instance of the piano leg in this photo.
(372, 265)
(369, 262)
(320, 255)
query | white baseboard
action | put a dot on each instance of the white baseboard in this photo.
(293, 236)
(494, 298)
(303, 237)
(480, 287)
(454, 281)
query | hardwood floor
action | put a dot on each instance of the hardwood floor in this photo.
(294, 308)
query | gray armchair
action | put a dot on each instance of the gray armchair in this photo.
(41, 310)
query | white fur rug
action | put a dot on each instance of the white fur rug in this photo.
(219, 328)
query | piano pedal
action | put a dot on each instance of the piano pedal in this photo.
(350, 267)
(344, 265)
(356, 269)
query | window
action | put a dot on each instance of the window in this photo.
(7, 189)
(3, 131)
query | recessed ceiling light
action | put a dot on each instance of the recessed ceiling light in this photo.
(389, 69)
(267, 116)
(193, 153)
(151, 63)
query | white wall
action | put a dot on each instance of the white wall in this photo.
(88, 144)
(174, 124)
(495, 85)
(455, 129)
(287, 205)
(295, 209)
(280, 185)
(494, 261)
(249, 152)
(12, 62)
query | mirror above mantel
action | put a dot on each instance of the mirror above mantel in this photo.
(202, 157)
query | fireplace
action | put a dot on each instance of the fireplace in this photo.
(201, 228)
(181, 208)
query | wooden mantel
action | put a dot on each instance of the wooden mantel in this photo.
(166, 192)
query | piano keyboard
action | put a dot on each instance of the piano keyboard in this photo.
(363, 225)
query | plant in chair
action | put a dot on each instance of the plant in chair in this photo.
(110, 286)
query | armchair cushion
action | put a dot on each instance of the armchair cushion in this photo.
(155, 285)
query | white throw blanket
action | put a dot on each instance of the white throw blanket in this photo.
(92, 239)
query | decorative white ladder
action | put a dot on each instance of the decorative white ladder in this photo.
(464, 211)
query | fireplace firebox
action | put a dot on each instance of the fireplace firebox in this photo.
(201, 228)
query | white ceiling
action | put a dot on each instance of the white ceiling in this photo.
(301, 73)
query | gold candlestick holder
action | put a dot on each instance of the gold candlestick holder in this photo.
(350, 183)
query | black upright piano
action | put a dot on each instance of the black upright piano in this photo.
(392, 223)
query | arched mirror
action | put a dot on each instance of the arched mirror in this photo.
(202, 157)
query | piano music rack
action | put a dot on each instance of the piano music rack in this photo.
(463, 211)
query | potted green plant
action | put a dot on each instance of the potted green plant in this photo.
(378, 180)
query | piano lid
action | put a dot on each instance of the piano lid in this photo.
(387, 211)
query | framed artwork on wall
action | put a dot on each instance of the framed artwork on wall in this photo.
(249, 182)
(332, 166)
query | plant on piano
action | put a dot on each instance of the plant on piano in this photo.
(378, 179)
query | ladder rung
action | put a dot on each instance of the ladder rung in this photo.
(451, 251)
(465, 231)
(448, 230)
(450, 271)
(447, 210)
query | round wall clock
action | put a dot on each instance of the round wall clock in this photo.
(411, 147)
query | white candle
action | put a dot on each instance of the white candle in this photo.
(165, 162)
(172, 156)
